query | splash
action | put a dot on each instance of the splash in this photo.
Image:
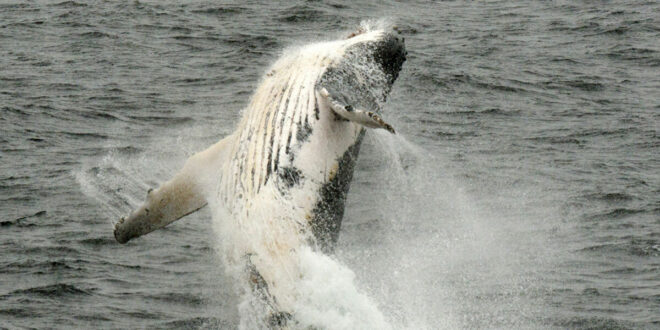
(113, 183)
(331, 299)
(431, 252)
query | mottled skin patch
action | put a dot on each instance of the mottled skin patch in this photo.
(274, 319)
(289, 177)
(304, 132)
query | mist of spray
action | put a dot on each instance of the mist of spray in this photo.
(436, 255)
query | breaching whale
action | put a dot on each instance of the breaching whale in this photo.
(280, 181)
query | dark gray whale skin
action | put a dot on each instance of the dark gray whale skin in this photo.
(368, 93)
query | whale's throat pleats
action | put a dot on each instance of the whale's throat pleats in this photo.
(276, 122)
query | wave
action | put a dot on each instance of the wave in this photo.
(53, 291)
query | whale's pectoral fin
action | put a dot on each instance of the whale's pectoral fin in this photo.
(346, 111)
(182, 195)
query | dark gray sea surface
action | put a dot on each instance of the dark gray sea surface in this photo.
(521, 191)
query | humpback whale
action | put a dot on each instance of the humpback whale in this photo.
(280, 180)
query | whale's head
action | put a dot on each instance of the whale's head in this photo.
(364, 66)
(358, 69)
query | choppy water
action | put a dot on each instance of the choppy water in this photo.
(523, 189)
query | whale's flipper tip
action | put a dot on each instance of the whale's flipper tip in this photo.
(121, 232)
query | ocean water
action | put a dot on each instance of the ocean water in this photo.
(521, 191)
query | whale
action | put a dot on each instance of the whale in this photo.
(279, 182)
